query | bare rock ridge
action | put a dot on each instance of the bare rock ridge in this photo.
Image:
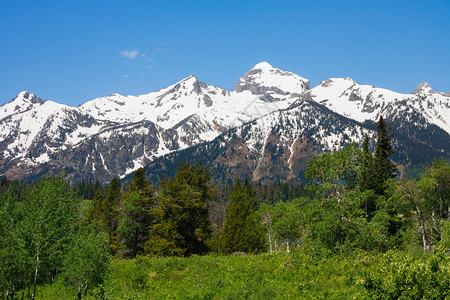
(423, 87)
(266, 128)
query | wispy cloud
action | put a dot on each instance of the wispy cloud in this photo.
(148, 59)
(125, 75)
(131, 54)
(158, 49)
(134, 54)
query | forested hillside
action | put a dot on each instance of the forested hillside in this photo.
(353, 229)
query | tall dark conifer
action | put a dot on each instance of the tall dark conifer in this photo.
(183, 226)
(241, 231)
(95, 214)
(365, 172)
(110, 211)
(137, 215)
(366, 179)
(383, 167)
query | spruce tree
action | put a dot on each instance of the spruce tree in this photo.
(183, 226)
(383, 168)
(365, 171)
(242, 231)
(365, 180)
(95, 213)
(137, 214)
(109, 212)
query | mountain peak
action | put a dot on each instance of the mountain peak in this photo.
(263, 66)
(273, 82)
(423, 87)
(190, 77)
(22, 102)
(27, 97)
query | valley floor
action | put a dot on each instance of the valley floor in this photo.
(284, 276)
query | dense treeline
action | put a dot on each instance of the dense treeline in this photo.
(53, 231)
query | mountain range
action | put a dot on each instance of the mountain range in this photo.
(267, 128)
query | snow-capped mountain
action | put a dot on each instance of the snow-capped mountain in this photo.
(274, 147)
(39, 135)
(114, 135)
(272, 84)
(278, 145)
(23, 102)
(364, 102)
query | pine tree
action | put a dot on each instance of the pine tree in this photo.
(109, 212)
(365, 180)
(95, 213)
(383, 168)
(242, 230)
(365, 171)
(183, 226)
(137, 214)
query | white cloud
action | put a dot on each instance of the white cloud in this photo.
(149, 66)
(148, 59)
(125, 75)
(131, 54)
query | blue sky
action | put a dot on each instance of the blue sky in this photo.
(74, 51)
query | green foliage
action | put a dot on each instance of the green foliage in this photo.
(49, 215)
(87, 259)
(394, 275)
(401, 275)
(328, 246)
(445, 242)
(332, 173)
(365, 173)
(183, 226)
(47, 223)
(242, 230)
(383, 168)
(424, 204)
(95, 214)
(137, 215)
(15, 268)
(109, 215)
(286, 224)
(435, 188)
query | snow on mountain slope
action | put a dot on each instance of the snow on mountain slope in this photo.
(113, 135)
(23, 102)
(274, 84)
(274, 147)
(177, 102)
(364, 102)
(187, 113)
(47, 127)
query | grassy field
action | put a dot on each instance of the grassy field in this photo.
(283, 276)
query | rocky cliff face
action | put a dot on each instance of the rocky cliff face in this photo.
(266, 129)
